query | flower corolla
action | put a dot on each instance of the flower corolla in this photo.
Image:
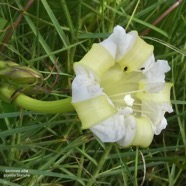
(120, 92)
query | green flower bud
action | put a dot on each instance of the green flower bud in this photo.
(20, 75)
(6, 64)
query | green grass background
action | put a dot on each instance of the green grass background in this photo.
(53, 148)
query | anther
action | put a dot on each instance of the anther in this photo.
(142, 68)
(125, 69)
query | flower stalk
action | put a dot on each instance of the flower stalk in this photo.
(17, 79)
(26, 102)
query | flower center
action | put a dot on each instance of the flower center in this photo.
(121, 87)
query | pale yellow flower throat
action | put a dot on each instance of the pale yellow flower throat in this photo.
(122, 87)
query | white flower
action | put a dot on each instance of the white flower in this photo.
(119, 91)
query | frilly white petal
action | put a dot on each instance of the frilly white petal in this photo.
(166, 107)
(148, 64)
(155, 76)
(157, 71)
(125, 42)
(113, 128)
(84, 72)
(110, 45)
(110, 130)
(130, 127)
(118, 39)
(111, 42)
(84, 87)
(162, 125)
(155, 112)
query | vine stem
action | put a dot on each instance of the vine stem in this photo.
(26, 102)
